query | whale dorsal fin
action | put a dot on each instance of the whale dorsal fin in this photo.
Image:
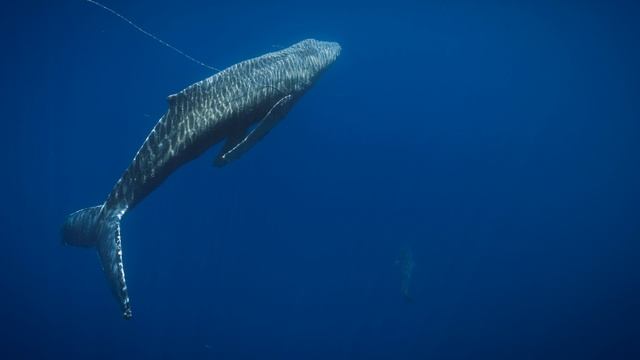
(174, 99)
(235, 147)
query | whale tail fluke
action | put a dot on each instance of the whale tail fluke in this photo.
(79, 227)
(92, 227)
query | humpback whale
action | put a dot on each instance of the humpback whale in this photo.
(239, 105)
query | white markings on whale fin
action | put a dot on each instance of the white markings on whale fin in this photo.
(100, 228)
(268, 122)
(110, 253)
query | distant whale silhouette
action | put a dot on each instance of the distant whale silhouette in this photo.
(406, 264)
(258, 92)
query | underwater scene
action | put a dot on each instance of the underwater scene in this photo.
(206, 179)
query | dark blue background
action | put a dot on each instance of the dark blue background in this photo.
(499, 140)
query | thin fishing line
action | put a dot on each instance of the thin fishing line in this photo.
(151, 35)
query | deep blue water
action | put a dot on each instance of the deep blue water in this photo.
(499, 141)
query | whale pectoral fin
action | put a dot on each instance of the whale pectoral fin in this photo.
(234, 138)
(268, 122)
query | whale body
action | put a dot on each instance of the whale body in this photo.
(240, 105)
